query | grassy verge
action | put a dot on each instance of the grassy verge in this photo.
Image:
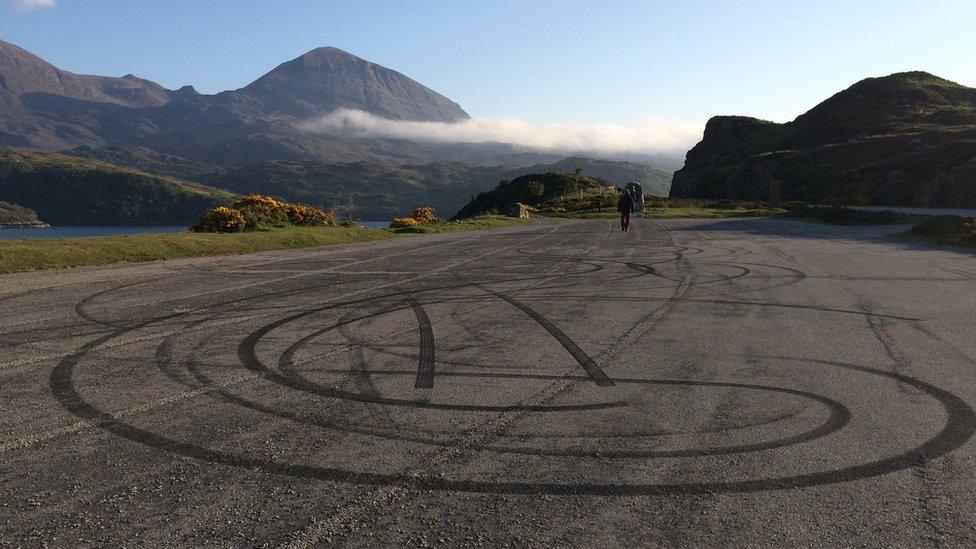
(44, 253)
(472, 224)
(689, 212)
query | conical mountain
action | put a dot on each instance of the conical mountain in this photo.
(326, 79)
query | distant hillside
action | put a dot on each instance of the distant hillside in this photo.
(368, 190)
(150, 161)
(534, 188)
(15, 215)
(907, 139)
(66, 190)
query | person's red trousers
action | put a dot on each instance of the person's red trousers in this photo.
(624, 221)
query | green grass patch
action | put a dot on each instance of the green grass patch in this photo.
(45, 253)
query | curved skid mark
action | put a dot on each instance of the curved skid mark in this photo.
(589, 365)
(838, 419)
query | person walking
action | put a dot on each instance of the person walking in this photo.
(626, 207)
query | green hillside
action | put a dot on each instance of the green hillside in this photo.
(906, 139)
(67, 190)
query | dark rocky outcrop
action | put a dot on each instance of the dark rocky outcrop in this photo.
(905, 139)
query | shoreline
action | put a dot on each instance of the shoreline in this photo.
(25, 225)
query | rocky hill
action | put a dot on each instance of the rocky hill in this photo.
(66, 190)
(905, 139)
(533, 189)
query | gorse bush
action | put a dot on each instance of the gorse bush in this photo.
(424, 215)
(220, 220)
(256, 211)
(420, 216)
(400, 222)
(301, 215)
(262, 210)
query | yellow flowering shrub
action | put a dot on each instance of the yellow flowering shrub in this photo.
(220, 220)
(254, 211)
(424, 215)
(403, 222)
(260, 210)
(300, 214)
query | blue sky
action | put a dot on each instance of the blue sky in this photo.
(542, 61)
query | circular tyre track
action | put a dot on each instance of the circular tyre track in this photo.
(958, 429)
(959, 426)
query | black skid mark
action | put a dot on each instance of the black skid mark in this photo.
(589, 365)
(425, 367)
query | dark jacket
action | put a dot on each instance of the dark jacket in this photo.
(626, 203)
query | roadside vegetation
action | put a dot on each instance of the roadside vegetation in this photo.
(946, 229)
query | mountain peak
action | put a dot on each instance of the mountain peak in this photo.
(327, 78)
(327, 51)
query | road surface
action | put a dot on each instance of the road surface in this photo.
(689, 383)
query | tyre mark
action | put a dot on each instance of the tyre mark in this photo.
(425, 367)
(81, 307)
(589, 365)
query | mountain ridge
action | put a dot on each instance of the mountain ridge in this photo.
(48, 108)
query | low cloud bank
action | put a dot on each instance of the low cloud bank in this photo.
(650, 136)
